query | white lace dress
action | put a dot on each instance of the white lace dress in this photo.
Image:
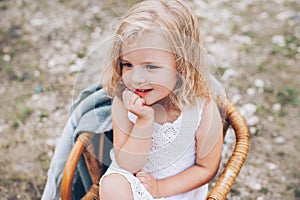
(172, 151)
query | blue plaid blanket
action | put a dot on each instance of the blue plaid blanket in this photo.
(91, 112)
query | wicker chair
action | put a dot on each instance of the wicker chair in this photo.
(96, 168)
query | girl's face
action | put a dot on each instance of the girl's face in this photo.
(149, 67)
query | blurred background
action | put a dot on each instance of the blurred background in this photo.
(48, 54)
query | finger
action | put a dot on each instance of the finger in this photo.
(141, 179)
(132, 98)
(141, 174)
(129, 98)
(139, 102)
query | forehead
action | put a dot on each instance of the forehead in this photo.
(146, 41)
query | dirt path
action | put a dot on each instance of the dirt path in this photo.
(43, 47)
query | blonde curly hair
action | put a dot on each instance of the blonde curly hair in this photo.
(179, 25)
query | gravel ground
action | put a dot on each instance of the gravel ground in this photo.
(46, 58)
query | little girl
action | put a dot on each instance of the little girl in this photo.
(167, 126)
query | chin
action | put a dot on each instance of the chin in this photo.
(149, 103)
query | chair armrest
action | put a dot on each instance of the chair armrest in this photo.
(69, 170)
(238, 157)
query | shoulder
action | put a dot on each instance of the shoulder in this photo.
(207, 108)
(210, 108)
(210, 131)
(210, 117)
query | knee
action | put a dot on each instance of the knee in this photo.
(108, 187)
(108, 183)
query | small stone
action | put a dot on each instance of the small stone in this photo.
(2, 89)
(260, 198)
(251, 91)
(58, 44)
(284, 15)
(278, 40)
(242, 39)
(50, 153)
(44, 119)
(270, 118)
(255, 186)
(252, 130)
(259, 83)
(252, 121)
(6, 57)
(36, 73)
(51, 63)
(236, 98)
(51, 141)
(3, 127)
(274, 134)
(250, 108)
(40, 125)
(34, 38)
(75, 68)
(95, 9)
(282, 178)
(5, 49)
(279, 140)
(271, 166)
(37, 22)
(276, 107)
(97, 33)
(264, 15)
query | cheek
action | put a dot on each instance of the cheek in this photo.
(165, 82)
(169, 79)
(126, 77)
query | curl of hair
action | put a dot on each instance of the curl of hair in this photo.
(176, 21)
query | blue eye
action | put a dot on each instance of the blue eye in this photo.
(151, 67)
(126, 65)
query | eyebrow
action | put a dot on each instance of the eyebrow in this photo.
(143, 63)
(124, 59)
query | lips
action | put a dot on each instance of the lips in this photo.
(142, 92)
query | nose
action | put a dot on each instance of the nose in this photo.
(138, 75)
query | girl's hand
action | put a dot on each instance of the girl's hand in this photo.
(136, 105)
(149, 182)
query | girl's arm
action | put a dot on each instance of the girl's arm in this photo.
(207, 163)
(131, 141)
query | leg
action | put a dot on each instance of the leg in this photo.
(115, 186)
